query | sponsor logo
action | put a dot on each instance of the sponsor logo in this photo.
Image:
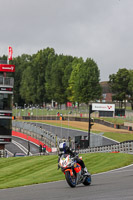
(6, 89)
(7, 68)
(6, 114)
(109, 107)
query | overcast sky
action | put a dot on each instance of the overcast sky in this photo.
(97, 29)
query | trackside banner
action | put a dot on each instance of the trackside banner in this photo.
(10, 52)
(103, 107)
(7, 68)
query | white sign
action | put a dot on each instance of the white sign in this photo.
(54, 149)
(103, 107)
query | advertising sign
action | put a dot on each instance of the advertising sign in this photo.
(5, 89)
(103, 107)
(7, 68)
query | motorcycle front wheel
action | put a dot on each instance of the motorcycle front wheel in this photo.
(71, 180)
(87, 180)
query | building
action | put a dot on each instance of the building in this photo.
(106, 92)
(6, 93)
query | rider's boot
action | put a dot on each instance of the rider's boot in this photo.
(85, 172)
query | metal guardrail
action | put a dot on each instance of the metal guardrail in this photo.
(8, 81)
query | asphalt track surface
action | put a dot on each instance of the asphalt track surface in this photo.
(113, 185)
(34, 149)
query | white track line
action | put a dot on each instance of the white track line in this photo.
(20, 146)
(113, 170)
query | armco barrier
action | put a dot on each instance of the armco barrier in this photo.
(29, 138)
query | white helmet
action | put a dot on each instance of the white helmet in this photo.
(62, 146)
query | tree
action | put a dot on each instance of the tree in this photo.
(89, 81)
(119, 85)
(21, 63)
(32, 87)
(57, 74)
(130, 88)
(28, 87)
(84, 81)
(48, 75)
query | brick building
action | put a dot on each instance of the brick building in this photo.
(106, 92)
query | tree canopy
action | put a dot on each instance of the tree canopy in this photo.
(46, 76)
(122, 86)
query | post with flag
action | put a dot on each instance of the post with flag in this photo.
(10, 52)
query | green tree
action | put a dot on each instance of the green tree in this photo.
(57, 76)
(119, 85)
(21, 63)
(28, 86)
(84, 81)
(48, 75)
(90, 77)
(130, 88)
(33, 79)
(74, 81)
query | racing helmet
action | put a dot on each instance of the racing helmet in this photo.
(62, 146)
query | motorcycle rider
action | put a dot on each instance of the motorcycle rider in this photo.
(64, 149)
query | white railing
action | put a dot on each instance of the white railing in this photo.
(7, 81)
(125, 147)
(3, 153)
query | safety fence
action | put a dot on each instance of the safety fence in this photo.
(31, 139)
(52, 141)
(125, 147)
(31, 130)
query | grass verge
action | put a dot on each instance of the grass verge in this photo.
(40, 169)
(120, 137)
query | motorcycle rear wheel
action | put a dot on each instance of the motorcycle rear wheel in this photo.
(70, 180)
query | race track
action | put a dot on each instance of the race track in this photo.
(115, 185)
(65, 132)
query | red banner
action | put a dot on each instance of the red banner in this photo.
(7, 68)
(10, 52)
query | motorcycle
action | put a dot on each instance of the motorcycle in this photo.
(73, 171)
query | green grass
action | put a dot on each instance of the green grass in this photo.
(114, 120)
(22, 171)
(61, 125)
(120, 137)
(42, 112)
